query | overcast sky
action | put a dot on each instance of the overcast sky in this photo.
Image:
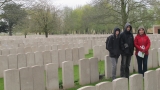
(70, 3)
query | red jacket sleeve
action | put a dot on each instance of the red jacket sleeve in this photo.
(136, 44)
(148, 44)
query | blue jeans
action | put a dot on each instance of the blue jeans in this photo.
(141, 61)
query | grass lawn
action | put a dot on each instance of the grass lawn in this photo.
(1, 84)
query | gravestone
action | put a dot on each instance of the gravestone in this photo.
(12, 62)
(149, 80)
(108, 68)
(154, 58)
(38, 58)
(38, 78)
(81, 53)
(136, 82)
(75, 56)
(54, 55)
(54, 47)
(3, 65)
(68, 53)
(87, 88)
(61, 57)
(26, 78)
(5, 52)
(20, 50)
(150, 60)
(11, 80)
(94, 70)
(28, 49)
(84, 72)
(22, 62)
(52, 82)
(96, 52)
(30, 59)
(135, 67)
(47, 57)
(67, 74)
(158, 78)
(104, 86)
(13, 51)
(120, 84)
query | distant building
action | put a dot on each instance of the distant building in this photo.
(156, 29)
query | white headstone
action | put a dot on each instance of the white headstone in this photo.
(136, 82)
(81, 53)
(28, 49)
(159, 56)
(108, 67)
(150, 80)
(22, 62)
(54, 47)
(75, 56)
(5, 52)
(47, 57)
(155, 58)
(12, 62)
(84, 72)
(54, 55)
(11, 80)
(13, 51)
(20, 50)
(30, 59)
(67, 74)
(39, 58)
(38, 78)
(94, 70)
(3, 65)
(104, 86)
(135, 66)
(61, 57)
(52, 82)
(96, 52)
(87, 88)
(120, 84)
(26, 78)
(150, 61)
(158, 78)
(68, 53)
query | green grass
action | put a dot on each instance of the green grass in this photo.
(1, 84)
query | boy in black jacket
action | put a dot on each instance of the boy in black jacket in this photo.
(127, 49)
(114, 50)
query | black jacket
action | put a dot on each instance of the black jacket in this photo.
(113, 45)
(127, 38)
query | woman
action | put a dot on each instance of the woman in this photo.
(142, 44)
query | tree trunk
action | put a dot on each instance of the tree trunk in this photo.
(46, 34)
(123, 12)
(10, 31)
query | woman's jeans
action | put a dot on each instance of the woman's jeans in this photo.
(142, 62)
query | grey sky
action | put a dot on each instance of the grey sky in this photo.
(70, 3)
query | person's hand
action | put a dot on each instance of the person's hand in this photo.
(125, 45)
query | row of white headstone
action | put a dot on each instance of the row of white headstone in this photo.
(40, 58)
(32, 78)
(135, 82)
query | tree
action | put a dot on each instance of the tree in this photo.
(12, 14)
(23, 26)
(3, 27)
(119, 12)
(45, 17)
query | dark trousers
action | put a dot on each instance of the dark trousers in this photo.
(125, 63)
(142, 62)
